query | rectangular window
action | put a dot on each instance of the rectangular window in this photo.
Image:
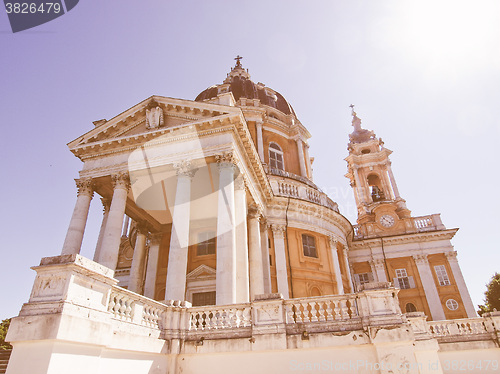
(204, 298)
(402, 280)
(363, 278)
(309, 246)
(206, 243)
(442, 275)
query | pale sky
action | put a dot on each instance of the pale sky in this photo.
(424, 75)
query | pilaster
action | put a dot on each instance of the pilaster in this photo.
(280, 258)
(430, 289)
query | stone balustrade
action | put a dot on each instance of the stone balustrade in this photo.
(322, 309)
(220, 317)
(304, 191)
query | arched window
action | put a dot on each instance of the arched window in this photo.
(410, 308)
(375, 188)
(315, 291)
(276, 157)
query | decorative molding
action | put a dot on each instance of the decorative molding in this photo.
(185, 168)
(254, 212)
(154, 117)
(121, 180)
(106, 204)
(278, 231)
(332, 240)
(239, 183)
(85, 186)
(421, 259)
(451, 256)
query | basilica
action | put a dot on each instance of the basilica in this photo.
(218, 251)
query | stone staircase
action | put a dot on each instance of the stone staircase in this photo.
(4, 359)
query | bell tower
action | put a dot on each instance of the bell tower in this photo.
(381, 210)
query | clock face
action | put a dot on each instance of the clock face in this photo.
(387, 220)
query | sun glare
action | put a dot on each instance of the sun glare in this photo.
(450, 34)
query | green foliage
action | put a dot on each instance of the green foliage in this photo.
(4, 326)
(492, 296)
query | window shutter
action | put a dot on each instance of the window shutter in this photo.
(396, 282)
(412, 282)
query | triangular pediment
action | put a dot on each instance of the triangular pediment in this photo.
(152, 115)
(202, 271)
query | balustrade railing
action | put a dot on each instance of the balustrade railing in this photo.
(131, 307)
(321, 309)
(220, 317)
(296, 190)
(458, 327)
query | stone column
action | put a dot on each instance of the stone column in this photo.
(126, 226)
(302, 159)
(430, 290)
(138, 261)
(347, 268)
(393, 181)
(359, 185)
(264, 245)
(175, 288)
(462, 287)
(225, 282)
(152, 265)
(74, 236)
(254, 253)
(378, 265)
(112, 233)
(242, 275)
(336, 265)
(280, 258)
(260, 143)
(308, 162)
(105, 205)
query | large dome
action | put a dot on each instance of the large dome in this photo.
(238, 82)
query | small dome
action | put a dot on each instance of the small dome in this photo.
(238, 82)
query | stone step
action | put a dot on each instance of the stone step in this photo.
(4, 360)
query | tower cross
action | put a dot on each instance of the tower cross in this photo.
(238, 58)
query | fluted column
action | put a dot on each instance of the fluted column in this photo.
(74, 236)
(255, 253)
(302, 159)
(242, 272)
(112, 233)
(460, 281)
(225, 282)
(280, 259)
(430, 289)
(260, 143)
(152, 265)
(336, 265)
(105, 205)
(138, 261)
(178, 254)
(308, 162)
(266, 266)
(347, 268)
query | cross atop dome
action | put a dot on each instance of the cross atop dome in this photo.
(359, 135)
(238, 63)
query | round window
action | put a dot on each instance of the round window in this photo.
(451, 304)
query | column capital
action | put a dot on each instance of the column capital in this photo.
(141, 228)
(332, 240)
(377, 262)
(85, 186)
(226, 159)
(451, 256)
(155, 237)
(278, 230)
(421, 259)
(121, 180)
(106, 203)
(264, 224)
(185, 168)
(254, 212)
(239, 183)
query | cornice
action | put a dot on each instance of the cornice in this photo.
(420, 237)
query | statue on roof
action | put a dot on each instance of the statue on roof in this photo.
(359, 135)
